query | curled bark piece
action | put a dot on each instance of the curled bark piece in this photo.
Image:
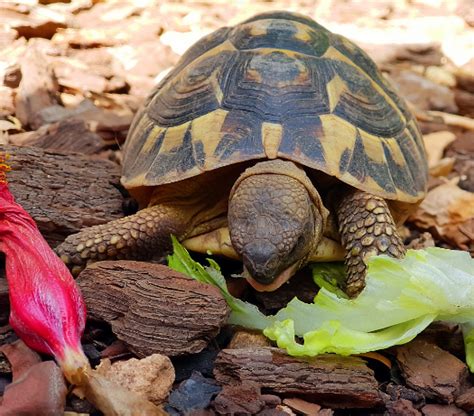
(152, 308)
(329, 380)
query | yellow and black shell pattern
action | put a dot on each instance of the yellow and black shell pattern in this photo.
(278, 85)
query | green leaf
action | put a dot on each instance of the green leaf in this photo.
(401, 298)
(330, 276)
(242, 313)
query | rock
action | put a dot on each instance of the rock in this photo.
(152, 376)
(330, 380)
(434, 372)
(153, 309)
(194, 393)
(244, 398)
(41, 390)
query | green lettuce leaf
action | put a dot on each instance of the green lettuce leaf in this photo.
(401, 298)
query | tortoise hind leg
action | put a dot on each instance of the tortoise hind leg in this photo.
(137, 237)
(367, 228)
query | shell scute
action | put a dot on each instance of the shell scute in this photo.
(278, 85)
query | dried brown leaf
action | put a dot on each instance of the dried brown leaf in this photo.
(435, 143)
(21, 358)
(448, 211)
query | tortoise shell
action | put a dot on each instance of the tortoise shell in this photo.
(278, 85)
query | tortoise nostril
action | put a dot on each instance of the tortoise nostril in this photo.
(261, 260)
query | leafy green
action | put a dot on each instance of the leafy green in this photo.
(242, 313)
(401, 298)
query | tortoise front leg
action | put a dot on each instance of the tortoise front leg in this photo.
(367, 228)
(137, 237)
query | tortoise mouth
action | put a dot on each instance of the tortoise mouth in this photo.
(274, 284)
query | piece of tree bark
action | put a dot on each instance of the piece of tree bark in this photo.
(401, 407)
(466, 400)
(68, 135)
(38, 86)
(432, 371)
(244, 399)
(152, 308)
(103, 121)
(442, 410)
(64, 192)
(329, 380)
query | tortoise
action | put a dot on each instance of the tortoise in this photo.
(275, 142)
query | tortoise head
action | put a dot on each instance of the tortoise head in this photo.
(274, 226)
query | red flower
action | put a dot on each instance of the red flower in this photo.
(46, 307)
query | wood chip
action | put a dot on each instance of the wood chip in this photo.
(466, 400)
(465, 102)
(246, 339)
(302, 406)
(109, 124)
(68, 135)
(442, 410)
(432, 371)
(153, 309)
(401, 407)
(454, 120)
(40, 391)
(244, 398)
(435, 144)
(444, 212)
(32, 21)
(59, 192)
(38, 87)
(330, 380)
(423, 93)
(443, 168)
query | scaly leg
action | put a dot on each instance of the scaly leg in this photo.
(367, 228)
(138, 237)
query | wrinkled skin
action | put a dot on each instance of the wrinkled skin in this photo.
(273, 225)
